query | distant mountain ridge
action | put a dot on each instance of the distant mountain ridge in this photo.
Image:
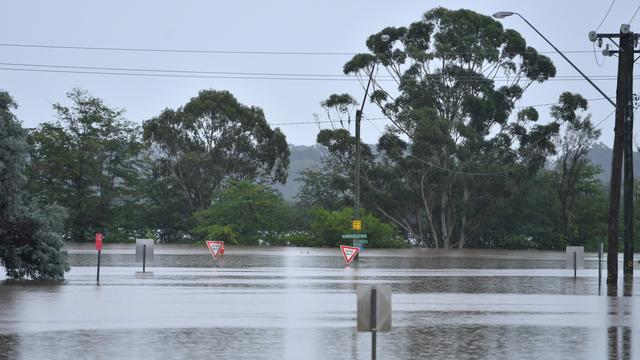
(600, 154)
(301, 158)
(310, 157)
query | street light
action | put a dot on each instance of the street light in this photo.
(356, 196)
(504, 14)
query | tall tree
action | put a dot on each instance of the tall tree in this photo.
(454, 146)
(31, 243)
(571, 164)
(87, 161)
(211, 139)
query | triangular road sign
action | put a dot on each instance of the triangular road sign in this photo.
(214, 247)
(349, 253)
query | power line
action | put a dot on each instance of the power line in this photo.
(508, 168)
(605, 15)
(168, 70)
(174, 75)
(634, 15)
(603, 120)
(230, 52)
(430, 164)
(243, 73)
(43, 68)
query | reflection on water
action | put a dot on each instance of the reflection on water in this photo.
(300, 304)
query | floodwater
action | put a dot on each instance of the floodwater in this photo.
(295, 303)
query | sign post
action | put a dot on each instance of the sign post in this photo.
(216, 248)
(99, 237)
(144, 252)
(374, 311)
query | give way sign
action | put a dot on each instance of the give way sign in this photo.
(215, 247)
(349, 253)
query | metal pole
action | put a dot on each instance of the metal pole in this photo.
(600, 247)
(575, 266)
(356, 176)
(144, 256)
(98, 274)
(374, 321)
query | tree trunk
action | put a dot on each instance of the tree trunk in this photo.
(427, 210)
(443, 221)
(463, 222)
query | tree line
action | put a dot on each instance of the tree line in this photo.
(461, 163)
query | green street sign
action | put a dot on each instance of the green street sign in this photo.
(354, 236)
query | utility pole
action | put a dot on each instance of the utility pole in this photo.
(622, 149)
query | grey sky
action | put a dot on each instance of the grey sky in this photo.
(242, 25)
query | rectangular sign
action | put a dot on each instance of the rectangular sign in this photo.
(140, 246)
(579, 251)
(356, 224)
(99, 241)
(354, 236)
(382, 303)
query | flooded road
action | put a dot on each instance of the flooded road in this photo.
(293, 303)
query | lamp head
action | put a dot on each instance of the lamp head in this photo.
(502, 14)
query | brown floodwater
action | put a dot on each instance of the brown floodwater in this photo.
(299, 303)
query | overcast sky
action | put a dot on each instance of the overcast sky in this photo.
(326, 26)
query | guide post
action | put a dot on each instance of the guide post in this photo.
(374, 312)
(99, 248)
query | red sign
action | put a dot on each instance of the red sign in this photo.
(216, 248)
(99, 241)
(349, 253)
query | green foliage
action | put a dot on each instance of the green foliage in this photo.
(31, 243)
(87, 161)
(197, 148)
(243, 213)
(220, 233)
(339, 106)
(328, 226)
(458, 123)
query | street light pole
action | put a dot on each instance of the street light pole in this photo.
(356, 176)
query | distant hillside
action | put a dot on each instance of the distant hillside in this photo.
(301, 158)
(600, 154)
(307, 157)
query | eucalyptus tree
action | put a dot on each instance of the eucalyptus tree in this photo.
(457, 140)
(573, 170)
(197, 148)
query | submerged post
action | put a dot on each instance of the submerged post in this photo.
(575, 266)
(374, 321)
(144, 256)
(374, 311)
(600, 249)
(98, 273)
(99, 238)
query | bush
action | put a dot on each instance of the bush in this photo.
(328, 227)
